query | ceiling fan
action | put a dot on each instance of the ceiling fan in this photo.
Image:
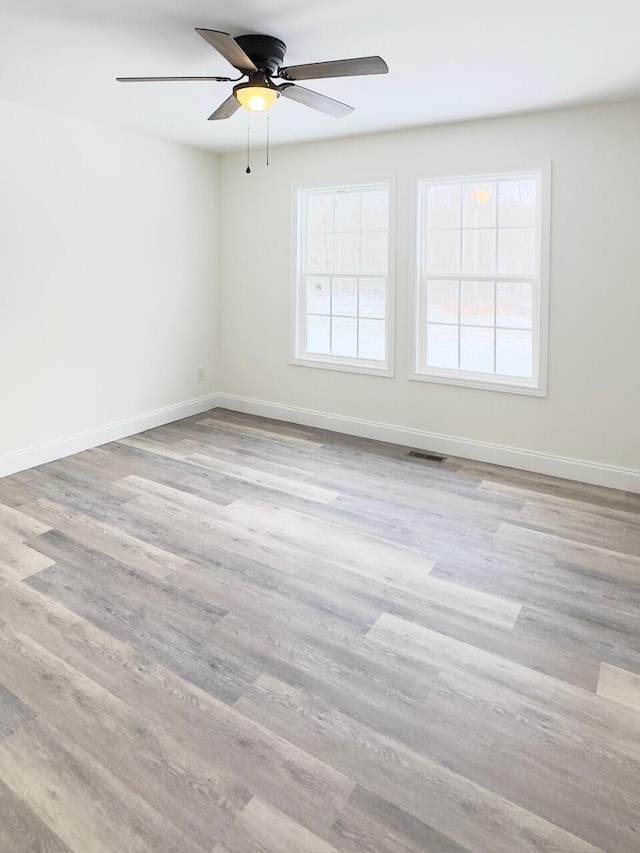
(259, 58)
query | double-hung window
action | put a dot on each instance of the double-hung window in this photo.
(482, 281)
(342, 299)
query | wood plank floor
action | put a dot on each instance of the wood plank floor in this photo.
(229, 635)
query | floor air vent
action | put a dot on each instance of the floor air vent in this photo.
(431, 457)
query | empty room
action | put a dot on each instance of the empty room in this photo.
(319, 427)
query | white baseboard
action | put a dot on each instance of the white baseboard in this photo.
(32, 456)
(540, 463)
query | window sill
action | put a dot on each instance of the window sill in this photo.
(507, 385)
(372, 368)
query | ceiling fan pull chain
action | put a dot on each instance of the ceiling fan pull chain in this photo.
(267, 139)
(248, 169)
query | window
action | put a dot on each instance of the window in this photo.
(342, 285)
(482, 292)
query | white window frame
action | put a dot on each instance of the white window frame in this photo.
(537, 384)
(298, 355)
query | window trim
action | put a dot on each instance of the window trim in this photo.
(346, 364)
(537, 385)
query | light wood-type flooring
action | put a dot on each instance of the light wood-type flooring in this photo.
(229, 635)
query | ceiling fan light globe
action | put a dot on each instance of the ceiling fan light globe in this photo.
(256, 99)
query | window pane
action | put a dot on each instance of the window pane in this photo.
(514, 305)
(345, 296)
(479, 251)
(372, 297)
(318, 340)
(444, 206)
(320, 213)
(516, 251)
(344, 339)
(372, 339)
(517, 203)
(442, 346)
(374, 252)
(476, 350)
(347, 211)
(514, 352)
(348, 248)
(479, 205)
(476, 230)
(320, 257)
(443, 252)
(477, 303)
(318, 296)
(375, 210)
(442, 301)
(343, 271)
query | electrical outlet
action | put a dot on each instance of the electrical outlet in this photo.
(200, 374)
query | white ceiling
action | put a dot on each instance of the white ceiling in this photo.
(448, 60)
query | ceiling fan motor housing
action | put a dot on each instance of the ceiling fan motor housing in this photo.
(266, 52)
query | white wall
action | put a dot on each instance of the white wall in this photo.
(107, 276)
(592, 411)
(115, 249)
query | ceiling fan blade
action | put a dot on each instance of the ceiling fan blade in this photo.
(229, 48)
(336, 68)
(171, 79)
(226, 109)
(315, 100)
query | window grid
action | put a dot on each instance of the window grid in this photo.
(531, 328)
(460, 324)
(331, 231)
(333, 315)
(462, 227)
